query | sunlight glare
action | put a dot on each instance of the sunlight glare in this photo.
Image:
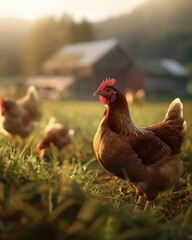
(26, 9)
(92, 10)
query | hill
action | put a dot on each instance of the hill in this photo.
(155, 29)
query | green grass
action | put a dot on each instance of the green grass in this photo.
(72, 197)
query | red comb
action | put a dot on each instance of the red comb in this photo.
(40, 152)
(2, 100)
(106, 83)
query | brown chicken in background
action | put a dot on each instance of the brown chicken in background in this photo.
(56, 134)
(147, 157)
(135, 98)
(20, 117)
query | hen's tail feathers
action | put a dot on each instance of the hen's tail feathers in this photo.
(32, 91)
(175, 111)
(71, 132)
(140, 94)
(50, 124)
(172, 129)
(52, 120)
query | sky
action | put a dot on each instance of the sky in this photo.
(92, 10)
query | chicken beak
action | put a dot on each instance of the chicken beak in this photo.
(97, 93)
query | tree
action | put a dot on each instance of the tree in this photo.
(40, 42)
(84, 32)
(47, 35)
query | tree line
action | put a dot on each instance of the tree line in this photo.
(43, 38)
(156, 29)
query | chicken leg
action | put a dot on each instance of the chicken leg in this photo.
(148, 205)
(139, 202)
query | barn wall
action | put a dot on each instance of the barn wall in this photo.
(181, 86)
(160, 84)
(134, 79)
(111, 65)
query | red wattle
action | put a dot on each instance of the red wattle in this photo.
(104, 100)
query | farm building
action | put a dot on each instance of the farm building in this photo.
(52, 87)
(164, 76)
(89, 63)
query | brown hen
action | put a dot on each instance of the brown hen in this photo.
(20, 117)
(56, 134)
(147, 157)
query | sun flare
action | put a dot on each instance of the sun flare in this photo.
(92, 10)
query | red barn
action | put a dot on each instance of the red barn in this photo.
(91, 62)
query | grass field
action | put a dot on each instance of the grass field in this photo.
(72, 197)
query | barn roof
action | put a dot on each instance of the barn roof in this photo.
(163, 67)
(81, 54)
(174, 67)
